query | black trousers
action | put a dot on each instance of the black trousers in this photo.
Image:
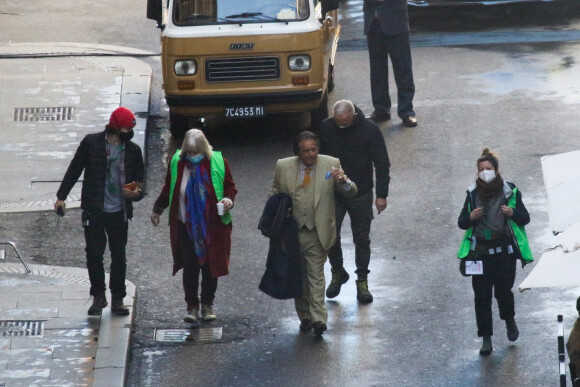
(191, 270)
(360, 211)
(499, 273)
(397, 47)
(103, 226)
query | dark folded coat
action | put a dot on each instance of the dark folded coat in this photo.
(283, 276)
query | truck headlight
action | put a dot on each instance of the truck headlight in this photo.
(185, 67)
(299, 62)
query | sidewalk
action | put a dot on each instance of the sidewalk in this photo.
(51, 96)
(46, 336)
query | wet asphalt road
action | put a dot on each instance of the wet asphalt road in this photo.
(519, 99)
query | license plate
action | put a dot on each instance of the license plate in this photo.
(245, 112)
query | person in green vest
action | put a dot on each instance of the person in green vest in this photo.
(198, 184)
(494, 217)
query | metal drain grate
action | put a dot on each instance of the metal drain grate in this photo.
(30, 328)
(44, 114)
(183, 335)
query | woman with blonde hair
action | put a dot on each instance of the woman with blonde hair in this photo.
(494, 216)
(198, 183)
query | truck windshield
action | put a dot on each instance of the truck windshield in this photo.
(206, 12)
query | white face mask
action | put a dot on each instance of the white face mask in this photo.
(487, 175)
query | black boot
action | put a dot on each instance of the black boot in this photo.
(486, 347)
(99, 302)
(339, 277)
(512, 329)
(118, 307)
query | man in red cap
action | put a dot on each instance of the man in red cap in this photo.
(113, 179)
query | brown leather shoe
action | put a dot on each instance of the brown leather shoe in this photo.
(409, 121)
(377, 116)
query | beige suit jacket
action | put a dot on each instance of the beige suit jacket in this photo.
(324, 190)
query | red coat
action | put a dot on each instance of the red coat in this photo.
(220, 235)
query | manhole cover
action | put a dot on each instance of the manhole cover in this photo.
(44, 114)
(21, 328)
(183, 335)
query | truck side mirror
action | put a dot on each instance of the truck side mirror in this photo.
(329, 5)
(154, 9)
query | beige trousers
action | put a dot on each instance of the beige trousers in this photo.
(311, 305)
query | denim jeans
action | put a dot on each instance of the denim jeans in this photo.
(103, 226)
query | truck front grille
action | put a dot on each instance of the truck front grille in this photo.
(242, 69)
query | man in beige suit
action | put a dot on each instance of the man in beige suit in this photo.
(311, 180)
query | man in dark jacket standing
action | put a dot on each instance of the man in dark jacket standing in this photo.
(113, 179)
(360, 146)
(387, 31)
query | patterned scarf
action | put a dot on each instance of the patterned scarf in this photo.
(196, 205)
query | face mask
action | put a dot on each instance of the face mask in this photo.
(487, 175)
(195, 159)
(125, 136)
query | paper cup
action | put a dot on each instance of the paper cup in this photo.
(220, 208)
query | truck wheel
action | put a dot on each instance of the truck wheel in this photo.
(330, 78)
(319, 115)
(178, 125)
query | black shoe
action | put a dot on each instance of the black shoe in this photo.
(486, 347)
(339, 277)
(512, 329)
(99, 302)
(306, 325)
(362, 292)
(409, 121)
(119, 308)
(319, 327)
(378, 116)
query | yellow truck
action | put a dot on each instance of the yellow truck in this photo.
(246, 58)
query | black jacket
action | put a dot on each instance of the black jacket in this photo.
(91, 156)
(359, 148)
(283, 276)
(393, 16)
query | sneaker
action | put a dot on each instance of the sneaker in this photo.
(119, 308)
(362, 291)
(319, 327)
(306, 325)
(339, 277)
(512, 329)
(207, 313)
(99, 302)
(191, 317)
(486, 347)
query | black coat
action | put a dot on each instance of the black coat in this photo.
(393, 16)
(283, 276)
(91, 156)
(359, 148)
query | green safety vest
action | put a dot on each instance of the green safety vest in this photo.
(218, 173)
(519, 233)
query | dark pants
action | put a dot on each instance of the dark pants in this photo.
(499, 273)
(360, 211)
(191, 270)
(397, 47)
(102, 226)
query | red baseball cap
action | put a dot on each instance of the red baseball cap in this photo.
(122, 118)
